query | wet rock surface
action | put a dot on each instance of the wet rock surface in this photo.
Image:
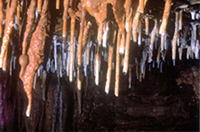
(151, 105)
(156, 103)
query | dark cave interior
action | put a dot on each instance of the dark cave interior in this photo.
(164, 98)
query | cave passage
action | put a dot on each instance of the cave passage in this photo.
(99, 65)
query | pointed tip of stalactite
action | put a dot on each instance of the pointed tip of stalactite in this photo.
(158, 64)
(121, 51)
(193, 15)
(106, 91)
(161, 32)
(174, 62)
(139, 44)
(116, 94)
(27, 113)
(180, 57)
(124, 71)
(107, 88)
(70, 79)
(1, 63)
(96, 82)
(4, 69)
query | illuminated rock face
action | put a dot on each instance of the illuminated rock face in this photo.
(88, 46)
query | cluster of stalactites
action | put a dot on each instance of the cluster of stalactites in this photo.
(85, 55)
(129, 29)
(110, 37)
(30, 59)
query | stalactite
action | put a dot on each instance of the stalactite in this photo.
(92, 61)
(158, 57)
(35, 80)
(55, 52)
(189, 49)
(1, 18)
(30, 22)
(153, 34)
(63, 54)
(180, 19)
(197, 47)
(105, 34)
(139, 33)
(79, 89)
(164, 53)
(142, 5)
(100, 15)
(110, 56)
(136, 21)
(143, 62)
(161, 65)
(129, 14)
(130, 76)
(78, 79)
(64, 31)
(100, 33)
(7, 31)
(136, 68)
(85, 63)
(121, 47)
(180, 52)
(58, 4)
(71, 59)
(162, 39)
(39, 5)
(80, 38)
(5, 61)
(127, 49)
(193, 14)
(67, 62)
(163, 25)
(88, 49)
(109, 70)
(174, 41)
(18, 12)
(178, 40)
(184, 38)
(193, 36)
(97, 66)
(198, 15)
(85, 34)
(59, 71)
(35, 52)
(144, 72)
(117, 69)
(147, 25)
(119, 15)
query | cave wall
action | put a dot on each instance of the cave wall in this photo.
(156, 103)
